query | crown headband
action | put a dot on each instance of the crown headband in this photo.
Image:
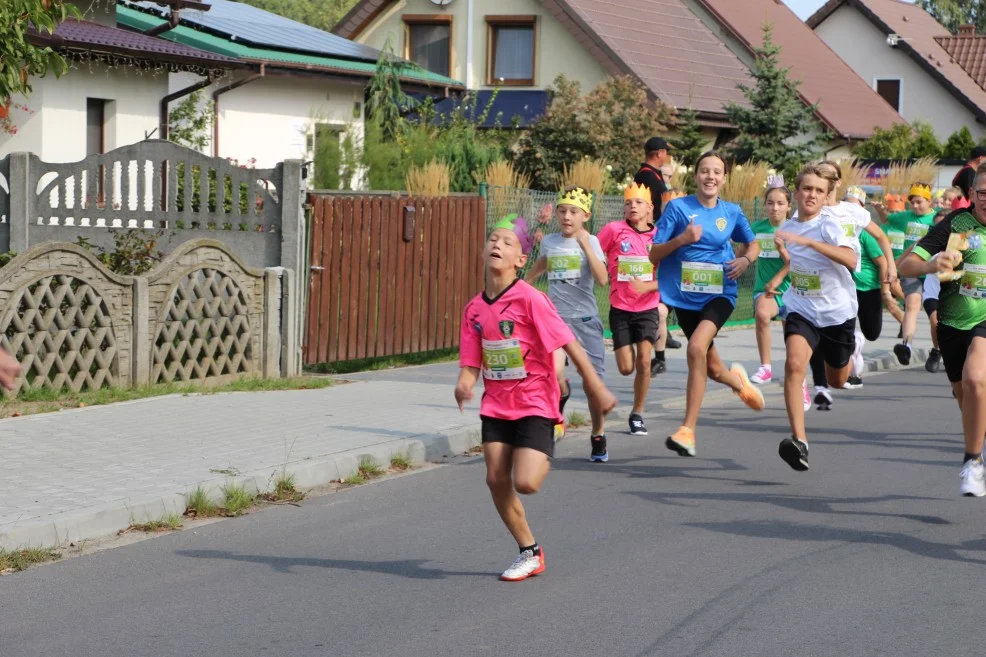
(633, 190)
(924, 191)
(856, 193)
(576, 197)
(517, 225)
(775, 181)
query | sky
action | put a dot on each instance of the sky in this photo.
(804, 8)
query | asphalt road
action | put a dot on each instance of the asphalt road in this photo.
(872, 552)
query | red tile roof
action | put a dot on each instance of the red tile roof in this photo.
(919, 33)
(849, 106)
(969, 52)
(75, 35)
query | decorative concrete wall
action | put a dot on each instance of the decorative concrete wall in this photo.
(201, 315)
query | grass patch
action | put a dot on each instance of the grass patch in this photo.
(401, 462)
(236, 499)
(168, 523)
(284, 490)
(17, 560)
(43, 400)
(366, 470)
(577, 419)
(198, 504)
(385, 363)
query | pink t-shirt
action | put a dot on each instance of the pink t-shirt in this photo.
(626, 251)
(512, 340)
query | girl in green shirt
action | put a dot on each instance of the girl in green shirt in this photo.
(773, 256)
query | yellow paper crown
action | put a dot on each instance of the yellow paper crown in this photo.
(577, 197)
(924, 191)
(634, 190)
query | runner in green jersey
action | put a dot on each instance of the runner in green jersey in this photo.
(955, 250)
(773, 256)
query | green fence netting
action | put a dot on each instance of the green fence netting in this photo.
(537, 208)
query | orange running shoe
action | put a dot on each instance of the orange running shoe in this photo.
(682, 441)
(750, 394)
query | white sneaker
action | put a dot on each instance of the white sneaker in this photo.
(973, 479)
(762, 375)
(527, 564)
(805, 396)
(823, 398)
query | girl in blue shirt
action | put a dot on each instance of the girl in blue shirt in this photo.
(697, 277)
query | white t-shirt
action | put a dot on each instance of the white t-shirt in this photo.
(570, 280)
(853, 219)
(932, 287)
(822, 291)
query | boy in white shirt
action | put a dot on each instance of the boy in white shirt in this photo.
(821, 301)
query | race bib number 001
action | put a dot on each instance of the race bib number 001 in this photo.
(631, 266)
(564, 265)
(701, 277)
(503, 360)
(973, 281)
(806, 283)
(768, 249)
(896, 240)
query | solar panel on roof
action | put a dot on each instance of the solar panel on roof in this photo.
(257, 27)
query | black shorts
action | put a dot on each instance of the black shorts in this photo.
(930, 306)
(954, 345)
(835, 343)
(630, 328)
(532, 432)
(716, 311)
(870, 313)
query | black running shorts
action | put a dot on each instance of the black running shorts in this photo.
(835, 343)
(629, 328)
(954, 345)
(930, 306)
(716, 311)
(532, 432)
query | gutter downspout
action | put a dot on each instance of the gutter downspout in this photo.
(164, 27)
(215, 104)
(469, 31)
(163, 120)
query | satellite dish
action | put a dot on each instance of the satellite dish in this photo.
(441, 3)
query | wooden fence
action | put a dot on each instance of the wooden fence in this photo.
(390, 275)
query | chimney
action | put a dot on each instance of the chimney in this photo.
(967, 30)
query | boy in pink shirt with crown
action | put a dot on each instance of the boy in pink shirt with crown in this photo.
(509, 335)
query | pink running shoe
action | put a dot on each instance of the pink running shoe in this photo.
(762, 375)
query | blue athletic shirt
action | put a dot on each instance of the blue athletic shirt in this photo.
(721, 225)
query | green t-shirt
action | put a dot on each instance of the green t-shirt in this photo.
(868, 276)
(961, 303)
(770, 261)
(905, 228)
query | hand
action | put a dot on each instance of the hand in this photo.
(879, 206)
(691, 234)
(10, 369)
(770, 289)
(947, 261)
(891, 275)
(639, 286)
(781, 247)
(790, 238)
(582, 237)
(736, 267)
(463, 393)
(600, 398)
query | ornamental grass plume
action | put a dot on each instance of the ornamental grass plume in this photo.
(589, 174)
(429, 180)
(853, 173)
(745, 182)
(924, 170)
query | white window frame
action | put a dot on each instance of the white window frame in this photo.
(890, 78)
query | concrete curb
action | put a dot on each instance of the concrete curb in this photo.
(107, 519)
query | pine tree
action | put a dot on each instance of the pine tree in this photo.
(777, 127)
(689, 142)
(960, 143)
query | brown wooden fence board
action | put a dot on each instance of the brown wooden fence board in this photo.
(377, 295)
(312, 342)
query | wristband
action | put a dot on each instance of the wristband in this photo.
(747, 258)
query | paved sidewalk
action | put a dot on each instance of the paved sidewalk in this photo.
(88, 472)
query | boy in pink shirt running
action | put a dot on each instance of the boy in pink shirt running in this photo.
(633, 297)
(509, 335)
